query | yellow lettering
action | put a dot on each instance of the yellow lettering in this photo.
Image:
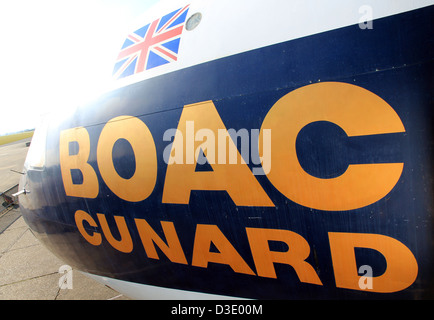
(355, 110)
(123, 245)
(205, 234)
(89, 188)
(401, 269)
(172, 249)
(142, 183)
(236, 179)
(298, 252)
(81, 216)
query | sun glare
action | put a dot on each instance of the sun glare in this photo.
(59, 54)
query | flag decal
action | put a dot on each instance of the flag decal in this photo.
(153, 45)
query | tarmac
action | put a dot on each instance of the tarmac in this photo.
(29, 271)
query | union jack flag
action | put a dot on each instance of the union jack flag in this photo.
(153, 45)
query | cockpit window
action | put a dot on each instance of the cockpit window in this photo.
(36, 155)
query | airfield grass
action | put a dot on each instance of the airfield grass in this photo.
(15, 137)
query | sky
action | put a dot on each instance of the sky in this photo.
(55, 54)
